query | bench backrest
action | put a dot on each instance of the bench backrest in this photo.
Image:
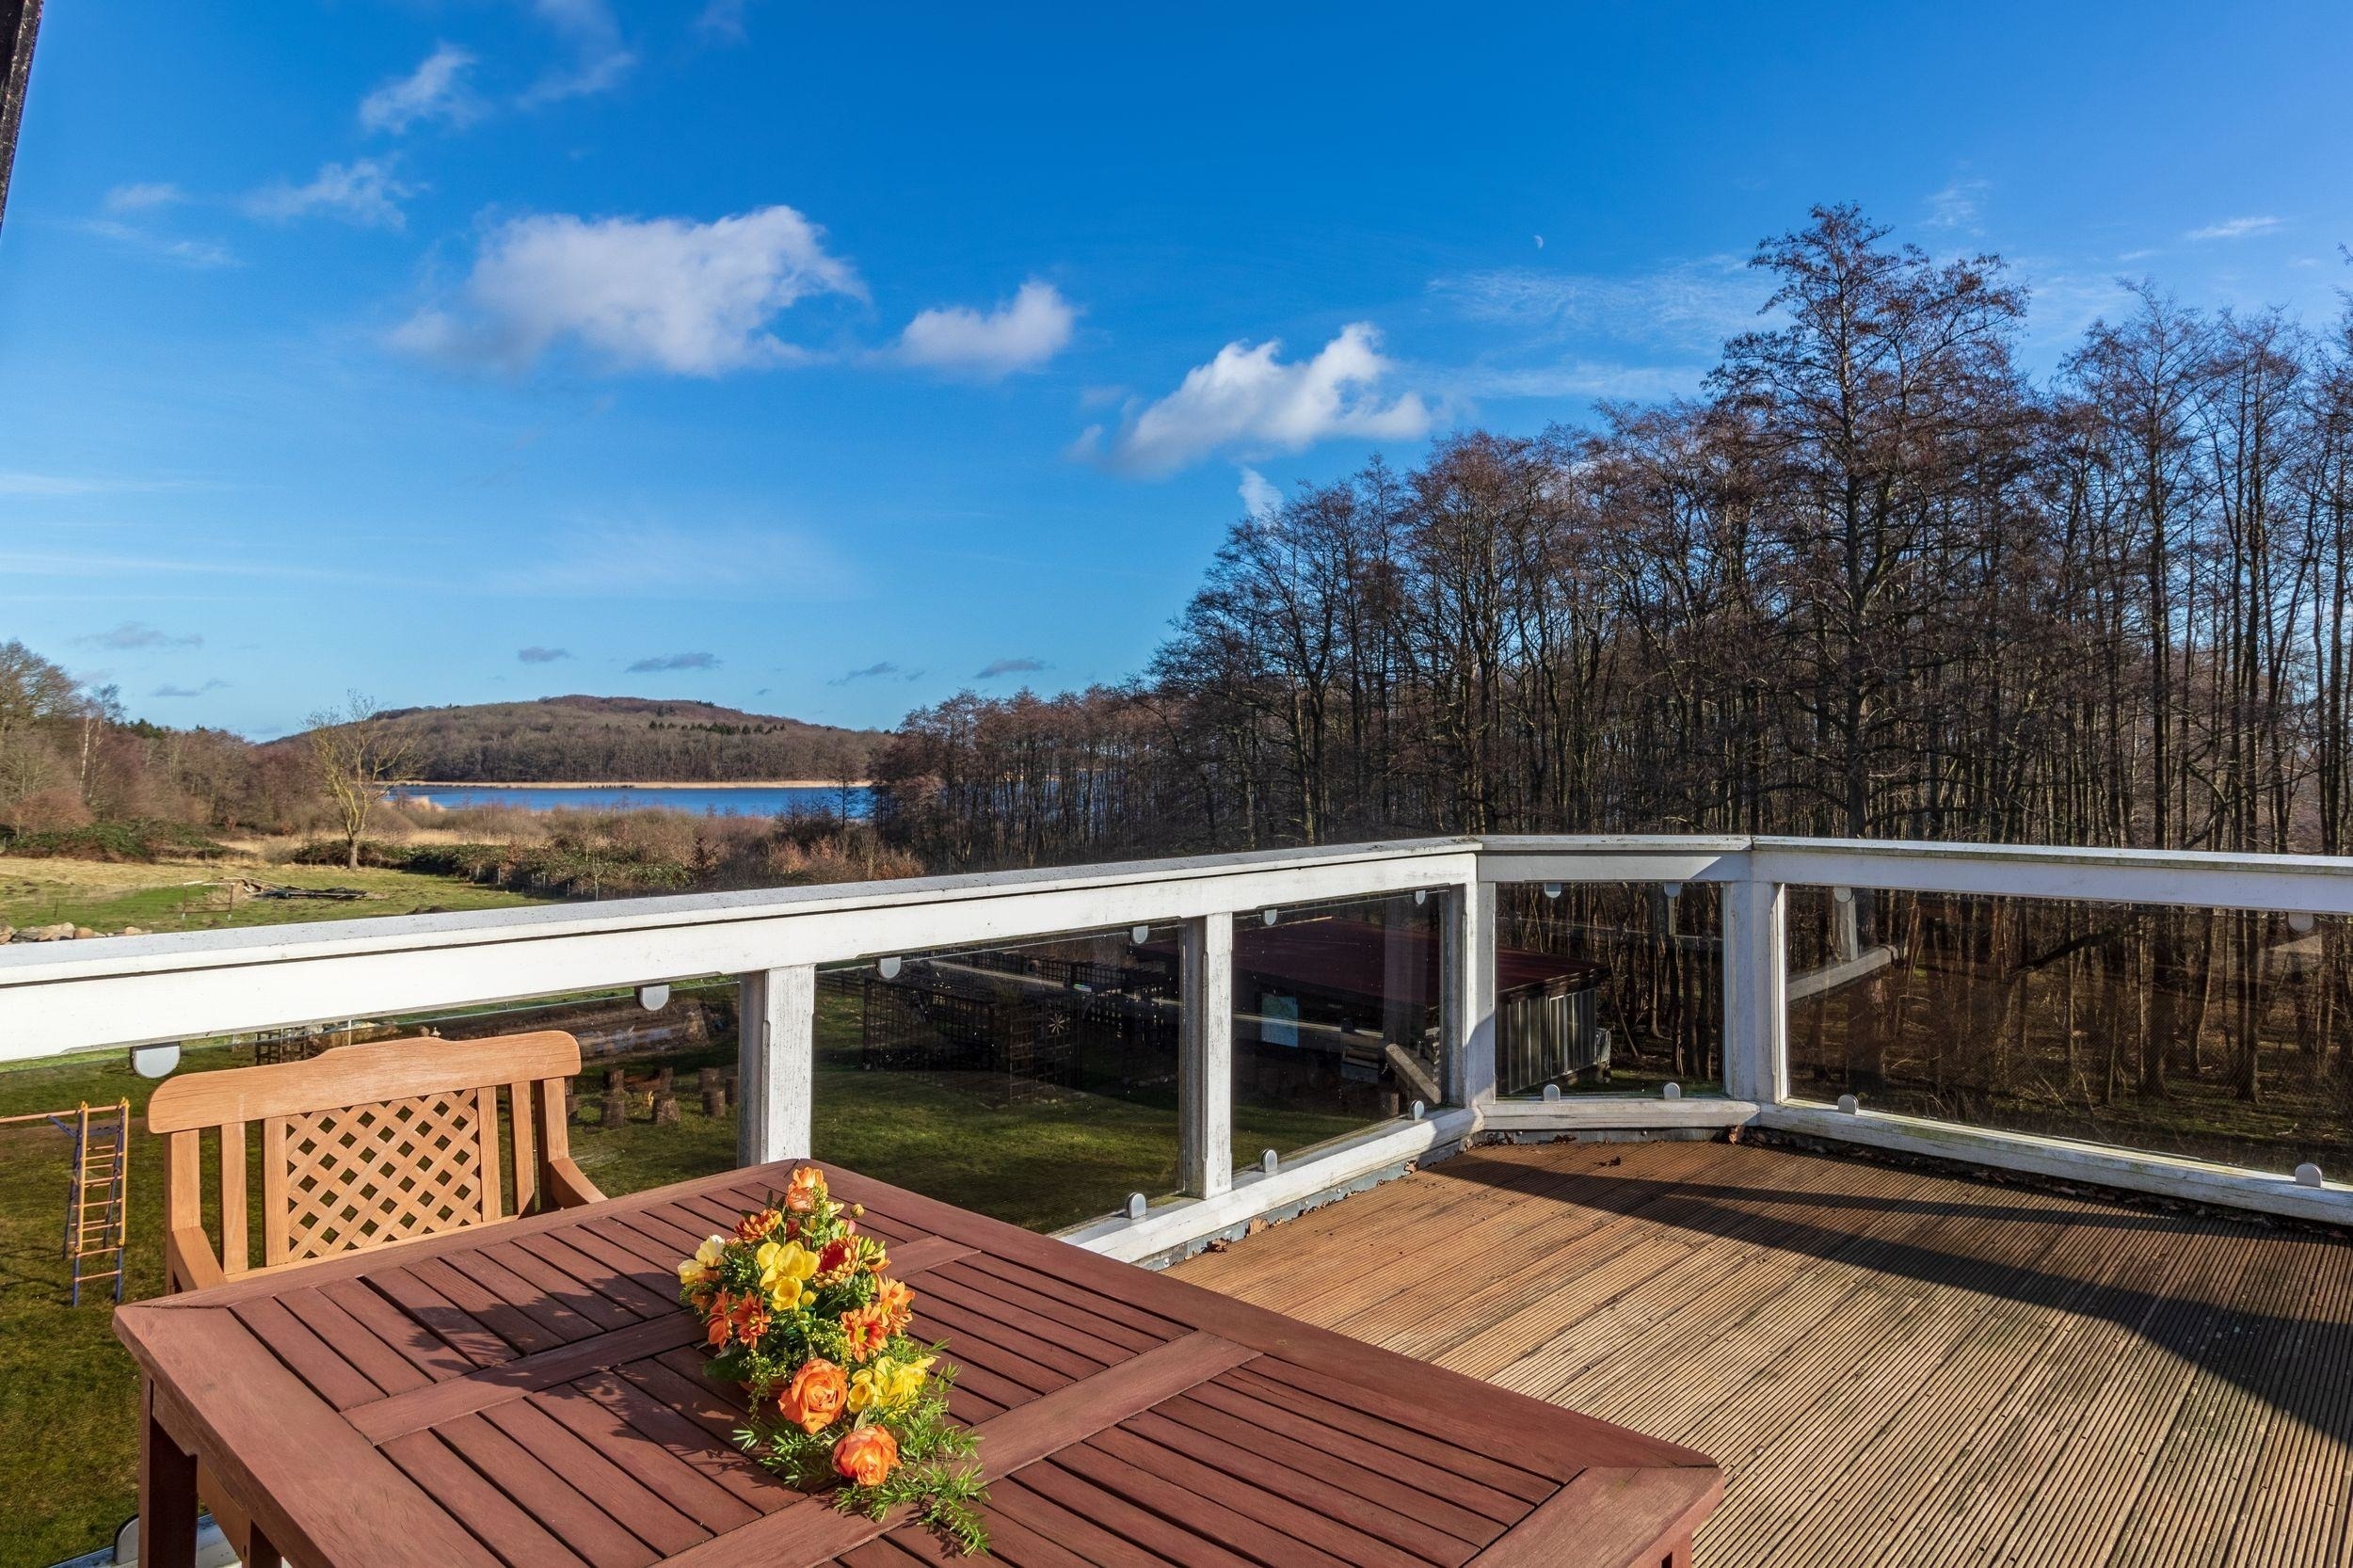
(364, 1145)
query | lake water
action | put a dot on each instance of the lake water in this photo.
(756, 801)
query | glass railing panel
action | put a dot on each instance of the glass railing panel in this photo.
(2217, 1034)
(1608, 987)
(1035, 1082)
(1335, 1021)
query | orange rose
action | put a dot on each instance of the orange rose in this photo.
(813, 1397)
(807, 1186)
(867, 1455)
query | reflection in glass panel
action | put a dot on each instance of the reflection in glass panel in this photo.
(1336, 1020)
(2213, 1033)
(1036, 1082)
(1608, 986)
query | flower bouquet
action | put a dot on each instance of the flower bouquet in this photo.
(799, 1311)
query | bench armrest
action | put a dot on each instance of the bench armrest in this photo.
(567, 1187)
(188, 1260)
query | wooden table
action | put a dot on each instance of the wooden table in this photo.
(531, 1394)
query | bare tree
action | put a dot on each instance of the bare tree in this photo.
(357, 754)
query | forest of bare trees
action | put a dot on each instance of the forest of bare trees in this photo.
(1873, 583)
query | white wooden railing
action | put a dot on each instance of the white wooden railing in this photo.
(62, 997)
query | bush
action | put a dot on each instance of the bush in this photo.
(140, 841)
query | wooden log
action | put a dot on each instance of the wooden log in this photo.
(665, 1099)
(615, 1100)
(714, 1092)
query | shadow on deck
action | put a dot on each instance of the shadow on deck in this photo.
(1892, 1366)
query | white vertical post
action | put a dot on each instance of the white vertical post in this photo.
(1467, 993)
(1204, 1071)
(1757, 986)
(776, 1064)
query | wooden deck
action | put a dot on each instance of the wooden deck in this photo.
(1892, 1368)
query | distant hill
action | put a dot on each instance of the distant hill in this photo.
(568, 739)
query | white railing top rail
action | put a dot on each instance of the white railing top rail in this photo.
(133, 990)
(72, 996)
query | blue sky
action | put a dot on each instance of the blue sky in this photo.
(825, 360)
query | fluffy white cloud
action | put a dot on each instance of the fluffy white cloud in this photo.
(435, 90)
(655, 294)
(2234, 229)
(1020, 334)
(364, 192)
(1248, 397)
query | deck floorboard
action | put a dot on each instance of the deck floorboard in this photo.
(1893, 1368)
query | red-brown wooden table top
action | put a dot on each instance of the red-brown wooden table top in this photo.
(531, 1394)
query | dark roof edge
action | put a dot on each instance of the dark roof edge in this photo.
(19, 23)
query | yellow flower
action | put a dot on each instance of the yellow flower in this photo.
(887, 1383)
(784, 1266)
(699, 1267)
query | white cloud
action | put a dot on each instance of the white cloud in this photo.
(187, 252)
(364, 192)
(594, 34)
(1020, 334)
(142, 195)
(1958, 205)
(435, 90)
(2234, 229)
(1260, 496)
(1248, 397)
(137, 634)
(723, 20)
(655, 294)
(1691, 304)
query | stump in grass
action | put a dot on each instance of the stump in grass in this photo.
(714, 1091)
(615, 1100)
(664, 1098)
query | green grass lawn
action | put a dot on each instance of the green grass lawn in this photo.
(192, 897)
(68, 1395)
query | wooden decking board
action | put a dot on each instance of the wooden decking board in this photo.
(1891, 1331)
(1896, 1368)
(2076, 1510)
(1681, 1306)
(1347, 1280)
(1771, 1302)
(1965, 1510)
(1339, 1257)
(1864, 1494)
(1951, 1475)
(2298, 1496)
(1782, 1287)
(2193, 1497)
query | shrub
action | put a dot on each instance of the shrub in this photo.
(140, 841)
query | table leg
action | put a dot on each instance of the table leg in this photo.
(259, 1552)
(166, 1495)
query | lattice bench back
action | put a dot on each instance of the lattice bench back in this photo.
(364, 1145)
